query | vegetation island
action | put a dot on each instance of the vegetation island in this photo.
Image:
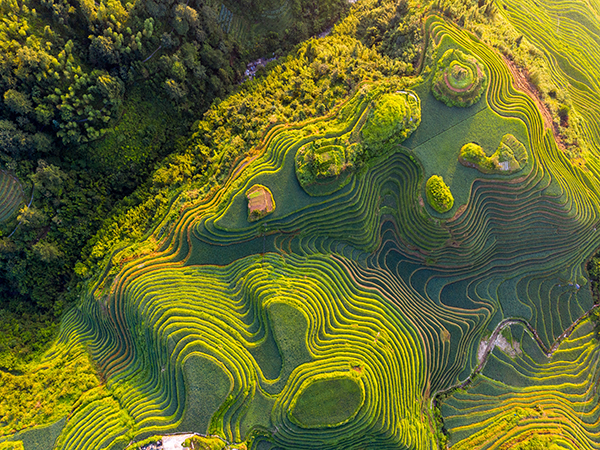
(260, 202)
(438, 194)
(390, 119)
(460, 79)
(510, 156)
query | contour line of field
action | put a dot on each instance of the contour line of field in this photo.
(492, 344)
(465, 89)
(528, 88)
(454, 89)
(28, 206)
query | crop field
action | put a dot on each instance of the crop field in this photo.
(11, 195)
(567, 32)
(235, 21)
(526, 396)
(348, 313)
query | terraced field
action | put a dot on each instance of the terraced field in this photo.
(234, 21)
(524, 397)
(567, 33)
(11, 195)
(339, 319)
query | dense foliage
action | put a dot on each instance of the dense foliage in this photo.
(438, 194)
(593, 268)
(47, 392)
(209, 443)
(394, 117)
(474, 154)
(510, 156)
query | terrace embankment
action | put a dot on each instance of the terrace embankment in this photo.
(521, 78)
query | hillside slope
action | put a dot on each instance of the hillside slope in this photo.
(355, 314)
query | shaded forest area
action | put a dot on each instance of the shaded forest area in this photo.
(94, 95)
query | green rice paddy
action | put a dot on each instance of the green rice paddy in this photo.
(327, 402)
(336, 320)
(530, 397)
(11, 195)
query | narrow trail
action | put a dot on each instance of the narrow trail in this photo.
(522, 83)
(492, 344)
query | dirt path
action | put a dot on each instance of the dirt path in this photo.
(522, 82)
(491, 344)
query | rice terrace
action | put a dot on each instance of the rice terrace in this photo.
(387, 238)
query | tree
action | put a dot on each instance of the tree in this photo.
(102, 52)
(17, 102)
(49, 179)
(47, 251)
(175, 90)
(438, 194)
(42, 142)
(110, 87)
(184, 17)
(44, 113)
(31, 217)
(167, 41)
(14, 141)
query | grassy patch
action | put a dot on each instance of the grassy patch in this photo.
(327, 402)
(38, 438)
(290, 328)
(439, 154)
(207, 387)
(267, 355)
(258, 415)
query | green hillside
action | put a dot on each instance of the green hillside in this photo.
(93, 95)
(427, 279)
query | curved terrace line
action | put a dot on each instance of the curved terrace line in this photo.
(492, 344)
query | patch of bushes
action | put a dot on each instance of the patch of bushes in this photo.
(460, 79)
(438, 194)
(47, 391)
(392, 119)
(509, 157)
